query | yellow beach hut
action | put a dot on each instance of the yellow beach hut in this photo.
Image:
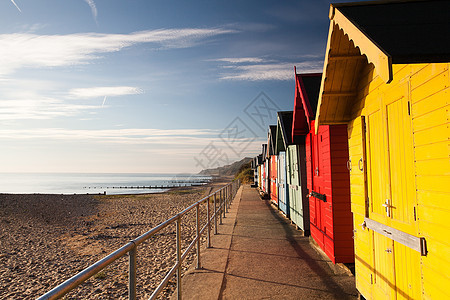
(386, 75)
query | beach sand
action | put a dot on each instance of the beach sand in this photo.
(46, 239)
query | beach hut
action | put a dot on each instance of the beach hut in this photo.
(386, 77)
(283, 140)
(306, 94)
(328, 180)
(254, 166)
(273, 164)
(263, 170)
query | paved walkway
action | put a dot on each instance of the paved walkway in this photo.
(258, 254)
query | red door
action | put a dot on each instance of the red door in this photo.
(313, 158)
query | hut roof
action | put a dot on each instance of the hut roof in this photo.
(284, 130)
(382, 33)
(307, 88)
(407, 31)
(264, 152)
(271, 141)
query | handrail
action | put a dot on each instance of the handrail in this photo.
(226, 194)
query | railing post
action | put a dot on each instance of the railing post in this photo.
(215, 213)
(198, 236)
(179, 258)
(220, 208)
(132, 274)
(208, 236)
(230, 192)
(224, 199)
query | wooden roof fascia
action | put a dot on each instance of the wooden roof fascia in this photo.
(375, 55)
(305, 102)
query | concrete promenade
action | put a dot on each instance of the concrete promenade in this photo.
(258, 254)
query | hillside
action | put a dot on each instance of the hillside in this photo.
(228, 170)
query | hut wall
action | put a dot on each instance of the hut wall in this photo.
(399, 153)
(330, 216)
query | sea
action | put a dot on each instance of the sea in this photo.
(95, 183)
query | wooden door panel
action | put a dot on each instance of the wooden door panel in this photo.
(384, 281)
(376, 172)
(401, 165)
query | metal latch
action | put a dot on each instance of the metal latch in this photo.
(319, 196)
(387, 206)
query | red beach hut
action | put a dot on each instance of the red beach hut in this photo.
(273, 163)
(328, 179)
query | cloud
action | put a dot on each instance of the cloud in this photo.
(106, 91)
(188, 137)
(21, 50)
(39, 108)
(269, 71)
(241, 60)
(91, 4)
(13, 2)
(43, 99)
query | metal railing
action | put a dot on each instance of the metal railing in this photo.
(222, 197)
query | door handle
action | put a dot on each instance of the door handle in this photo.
(387, 207)
(360, 166)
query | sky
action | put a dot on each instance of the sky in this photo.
(148, 86)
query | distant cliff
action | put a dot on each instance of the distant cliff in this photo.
(228, 170)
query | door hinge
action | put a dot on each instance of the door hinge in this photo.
(415, 216)
(409, 108)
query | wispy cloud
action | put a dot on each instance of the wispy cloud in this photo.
(45, 100)
(240, 60)
(13, 2)
(39, 108)
(31, 50)
(105, 91)
(127, 136)
(268, 71)
(93, 7)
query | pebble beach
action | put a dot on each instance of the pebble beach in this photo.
(46, 239)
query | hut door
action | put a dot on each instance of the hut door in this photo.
(401, 164)
(391, 190)
(317, 179)
(377, 187)
(391, 165)
(312, 168)
(376, 167)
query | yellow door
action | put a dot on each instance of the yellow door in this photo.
(384, 281)
(363, 238)
(377, 171)
(391, 192)
(401, 193)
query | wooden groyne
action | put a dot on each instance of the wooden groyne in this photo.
(146, 187)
